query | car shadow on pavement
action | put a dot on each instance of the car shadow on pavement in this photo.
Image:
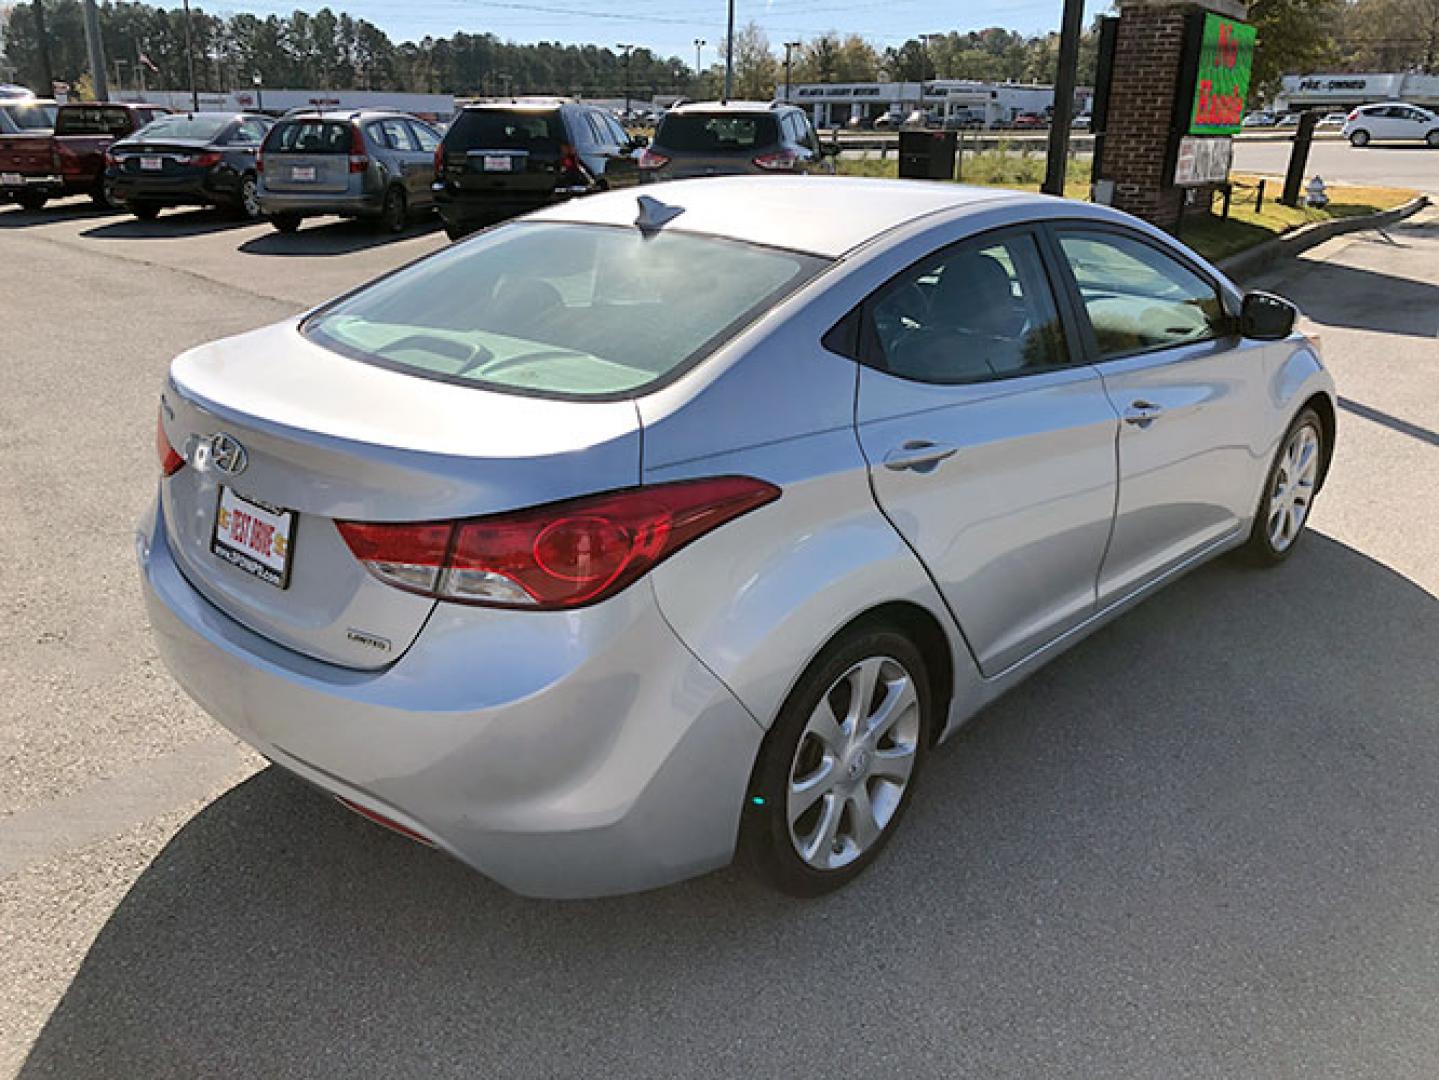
(171, 224)
(1333, 294)
(342, 237)
(1201, 836)
(16, 217)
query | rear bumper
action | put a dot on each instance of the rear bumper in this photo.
(182, 190)
(316, 204)
(50, 184)
(475, 208)
(561, 754)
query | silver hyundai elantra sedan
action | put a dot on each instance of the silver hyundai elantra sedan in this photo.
(634, 534)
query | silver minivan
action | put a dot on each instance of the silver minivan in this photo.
(365, 164)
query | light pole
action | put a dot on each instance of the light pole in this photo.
(729, 54)
(789, 47)
(1057, 165)
(927, 64)
(96, 48)
(190, 61)
(627, 50)
(259, 91)
(700, 43)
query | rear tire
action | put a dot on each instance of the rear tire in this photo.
(1432, 139)
(286, 223)
(455, 232)
(145, 211)
(837, 771)
(248, 207)
(1359, 138)
(103, 196)
(1289, 490)
(395, 212)
(33, 200)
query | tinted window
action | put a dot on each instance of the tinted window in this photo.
(309, 137)
(249, 132)
(717, 133)
(426, 138)
(979, 311)
(198, 126)
(394, 134)
(619, 311)
(1139, 298)
(517, 129)
(92, 120)
(31, 117)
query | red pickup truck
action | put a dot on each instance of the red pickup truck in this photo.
(70, 160)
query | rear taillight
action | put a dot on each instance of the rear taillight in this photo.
(650, 160)
(260, 160)
(569, 160)
(564, 555)
(207, 160)
(779, 161)
(359, 160)
(1352, 116)
(439, 158)
(170, 460)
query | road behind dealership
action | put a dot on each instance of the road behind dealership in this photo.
(1199, 845)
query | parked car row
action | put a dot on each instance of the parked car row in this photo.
(1388, 121)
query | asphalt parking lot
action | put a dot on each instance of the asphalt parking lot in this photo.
(1201, 844)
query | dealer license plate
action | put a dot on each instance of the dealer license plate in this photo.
(254, 537)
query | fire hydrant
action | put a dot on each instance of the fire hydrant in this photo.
(1316, 196)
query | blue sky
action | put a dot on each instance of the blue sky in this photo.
(670, 26)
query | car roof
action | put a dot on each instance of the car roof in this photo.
(825, 216)
(728, 106)
(342, 116)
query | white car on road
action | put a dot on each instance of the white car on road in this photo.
(1394, 121)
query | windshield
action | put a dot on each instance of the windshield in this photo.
(566, 310)
(180, 126)
(92, 120)
(31, 117)
(717, 133)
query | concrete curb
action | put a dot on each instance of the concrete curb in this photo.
(1257, 258)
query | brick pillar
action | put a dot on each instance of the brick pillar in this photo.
(1147, 54)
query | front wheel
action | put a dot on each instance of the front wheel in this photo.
(103, 195)
(838, 769)
(1289, 492)
(1359, 138)
(1432, 139)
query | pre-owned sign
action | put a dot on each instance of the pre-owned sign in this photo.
(1221, 77)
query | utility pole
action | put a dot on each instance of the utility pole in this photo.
(700, 43)
(96, 49)
(789, 47)
(729, 54)
(190, 61)
(1057, 166)
(927, 64)
(627, 50)
(259, 82)
(43, 40)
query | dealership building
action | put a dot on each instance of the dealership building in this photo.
(835, 104)
(1345, 91)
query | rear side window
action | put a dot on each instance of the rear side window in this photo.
(720, 132)
(92, 120)
(309, 137)
(394, 134)
(507, 129)
(576, 311)
(1138, 298)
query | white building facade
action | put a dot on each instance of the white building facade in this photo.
(276, 101)
(835, 104)
(1339, 91)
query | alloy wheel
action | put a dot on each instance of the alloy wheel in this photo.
(1293, 489)
(853, 763)
(250, 198)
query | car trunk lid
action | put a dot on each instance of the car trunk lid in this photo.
(514, 151)
(310, 155)
(325, 438)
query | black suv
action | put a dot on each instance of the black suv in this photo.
(719, 138)
(503, 159)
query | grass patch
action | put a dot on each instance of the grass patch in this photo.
(1211, 236)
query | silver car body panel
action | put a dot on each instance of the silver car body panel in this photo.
(609, 748)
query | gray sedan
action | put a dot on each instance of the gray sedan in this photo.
(701, 537)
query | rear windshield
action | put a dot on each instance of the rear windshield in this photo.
(586, 311)
(717, 132)
(92, 120)
(180, 126)
(31, 117)
(509, 129)
(309, 137)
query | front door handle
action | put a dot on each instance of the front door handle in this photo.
(918, 454)
(1142, 413)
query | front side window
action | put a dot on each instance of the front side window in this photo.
(979, 311)
(580, 311)
(394, 134)
(1139, 298)
(92, 120)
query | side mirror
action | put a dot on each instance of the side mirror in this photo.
(639, 142)
(1266, 317)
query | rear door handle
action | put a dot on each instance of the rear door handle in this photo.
(918, 454)
(1142, 413)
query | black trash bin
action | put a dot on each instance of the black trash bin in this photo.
(926, 155)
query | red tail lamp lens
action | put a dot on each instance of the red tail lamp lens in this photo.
(170, 460)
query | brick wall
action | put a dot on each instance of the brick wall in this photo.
(1141, 104)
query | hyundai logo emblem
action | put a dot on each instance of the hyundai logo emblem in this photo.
(227, 455)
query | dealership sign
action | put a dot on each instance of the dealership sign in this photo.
(1221, 78)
